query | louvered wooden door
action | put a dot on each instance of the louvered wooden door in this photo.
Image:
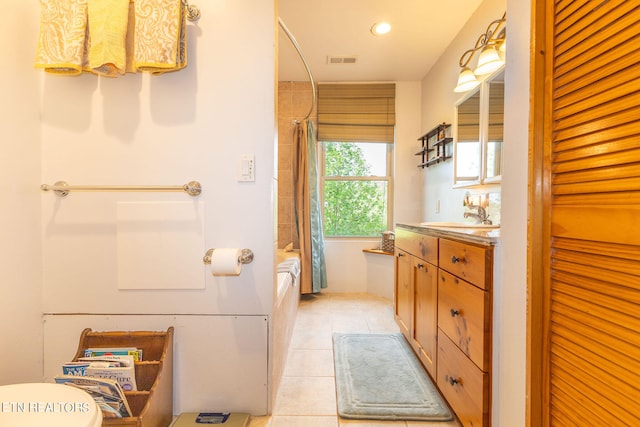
(591, 360)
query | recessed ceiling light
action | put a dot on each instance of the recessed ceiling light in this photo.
(380, 28)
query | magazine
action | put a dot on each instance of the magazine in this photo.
(115, 351)
(106, 392)
(75, 368)
(115, 367)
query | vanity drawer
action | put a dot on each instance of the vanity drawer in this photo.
(463, 314)
(467, 262)
(465, 387)
(420, 245)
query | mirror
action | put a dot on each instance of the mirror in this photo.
(495, 124)
(479, 137)
(467, 147)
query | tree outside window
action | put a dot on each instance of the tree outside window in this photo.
(356, 188)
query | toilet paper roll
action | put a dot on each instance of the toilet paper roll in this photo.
(226, 262)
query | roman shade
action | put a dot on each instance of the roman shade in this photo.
(469, 116)
(496, 112)
(469, 119)
(356, 112)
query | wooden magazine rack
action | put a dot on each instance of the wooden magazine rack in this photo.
(152, 403)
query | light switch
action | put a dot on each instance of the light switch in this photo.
(246, 172)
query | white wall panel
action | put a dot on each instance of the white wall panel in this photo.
(160, 245)
(220, 362)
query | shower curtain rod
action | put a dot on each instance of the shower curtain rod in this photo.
(306, 66)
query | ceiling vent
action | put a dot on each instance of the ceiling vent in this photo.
(351, 59)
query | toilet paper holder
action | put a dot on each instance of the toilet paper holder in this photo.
(246, 256)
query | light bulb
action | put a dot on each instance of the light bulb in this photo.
(489, 61)
(466, 81)
(380, 28)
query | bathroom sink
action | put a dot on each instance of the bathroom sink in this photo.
(457, 225)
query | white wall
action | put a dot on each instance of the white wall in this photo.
(512, 313)
(20, 254)
(139, 129)
(407, 203)
(509, 380)
(353, 271)
(348, 268)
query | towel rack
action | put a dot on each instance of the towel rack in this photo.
(61, 188)
(193, 12)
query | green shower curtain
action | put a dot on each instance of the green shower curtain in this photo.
(307, 209)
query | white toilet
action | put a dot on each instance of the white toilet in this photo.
(47, 405)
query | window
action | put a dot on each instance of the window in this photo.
(356, 127)
(356, 183)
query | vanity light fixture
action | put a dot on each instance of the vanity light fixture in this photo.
(489, 60)
(380, 28)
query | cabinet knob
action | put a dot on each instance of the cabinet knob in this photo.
(454, 313)
(453, 381)
(455, 259)
(400, 254)
(420, 266)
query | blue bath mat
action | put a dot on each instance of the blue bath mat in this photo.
(379, 377)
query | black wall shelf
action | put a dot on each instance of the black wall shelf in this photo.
(434, 145)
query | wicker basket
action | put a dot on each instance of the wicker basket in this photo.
(387, 242)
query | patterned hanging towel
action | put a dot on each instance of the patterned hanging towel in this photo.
(160, 42)
(108, 22)
(63, 36)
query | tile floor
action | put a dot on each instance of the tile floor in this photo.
(307, 396)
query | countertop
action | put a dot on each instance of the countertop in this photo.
(483, 236)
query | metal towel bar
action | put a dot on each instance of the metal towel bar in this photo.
(61, 188)
(193, 12)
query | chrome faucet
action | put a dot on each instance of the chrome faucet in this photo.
(481, 217)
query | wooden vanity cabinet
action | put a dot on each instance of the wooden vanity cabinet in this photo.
(403, 301)
(462, 314)
(466, 261)
(416, 287)
(465, 388)
(443, 306)
(425, 323)
(464, 329)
